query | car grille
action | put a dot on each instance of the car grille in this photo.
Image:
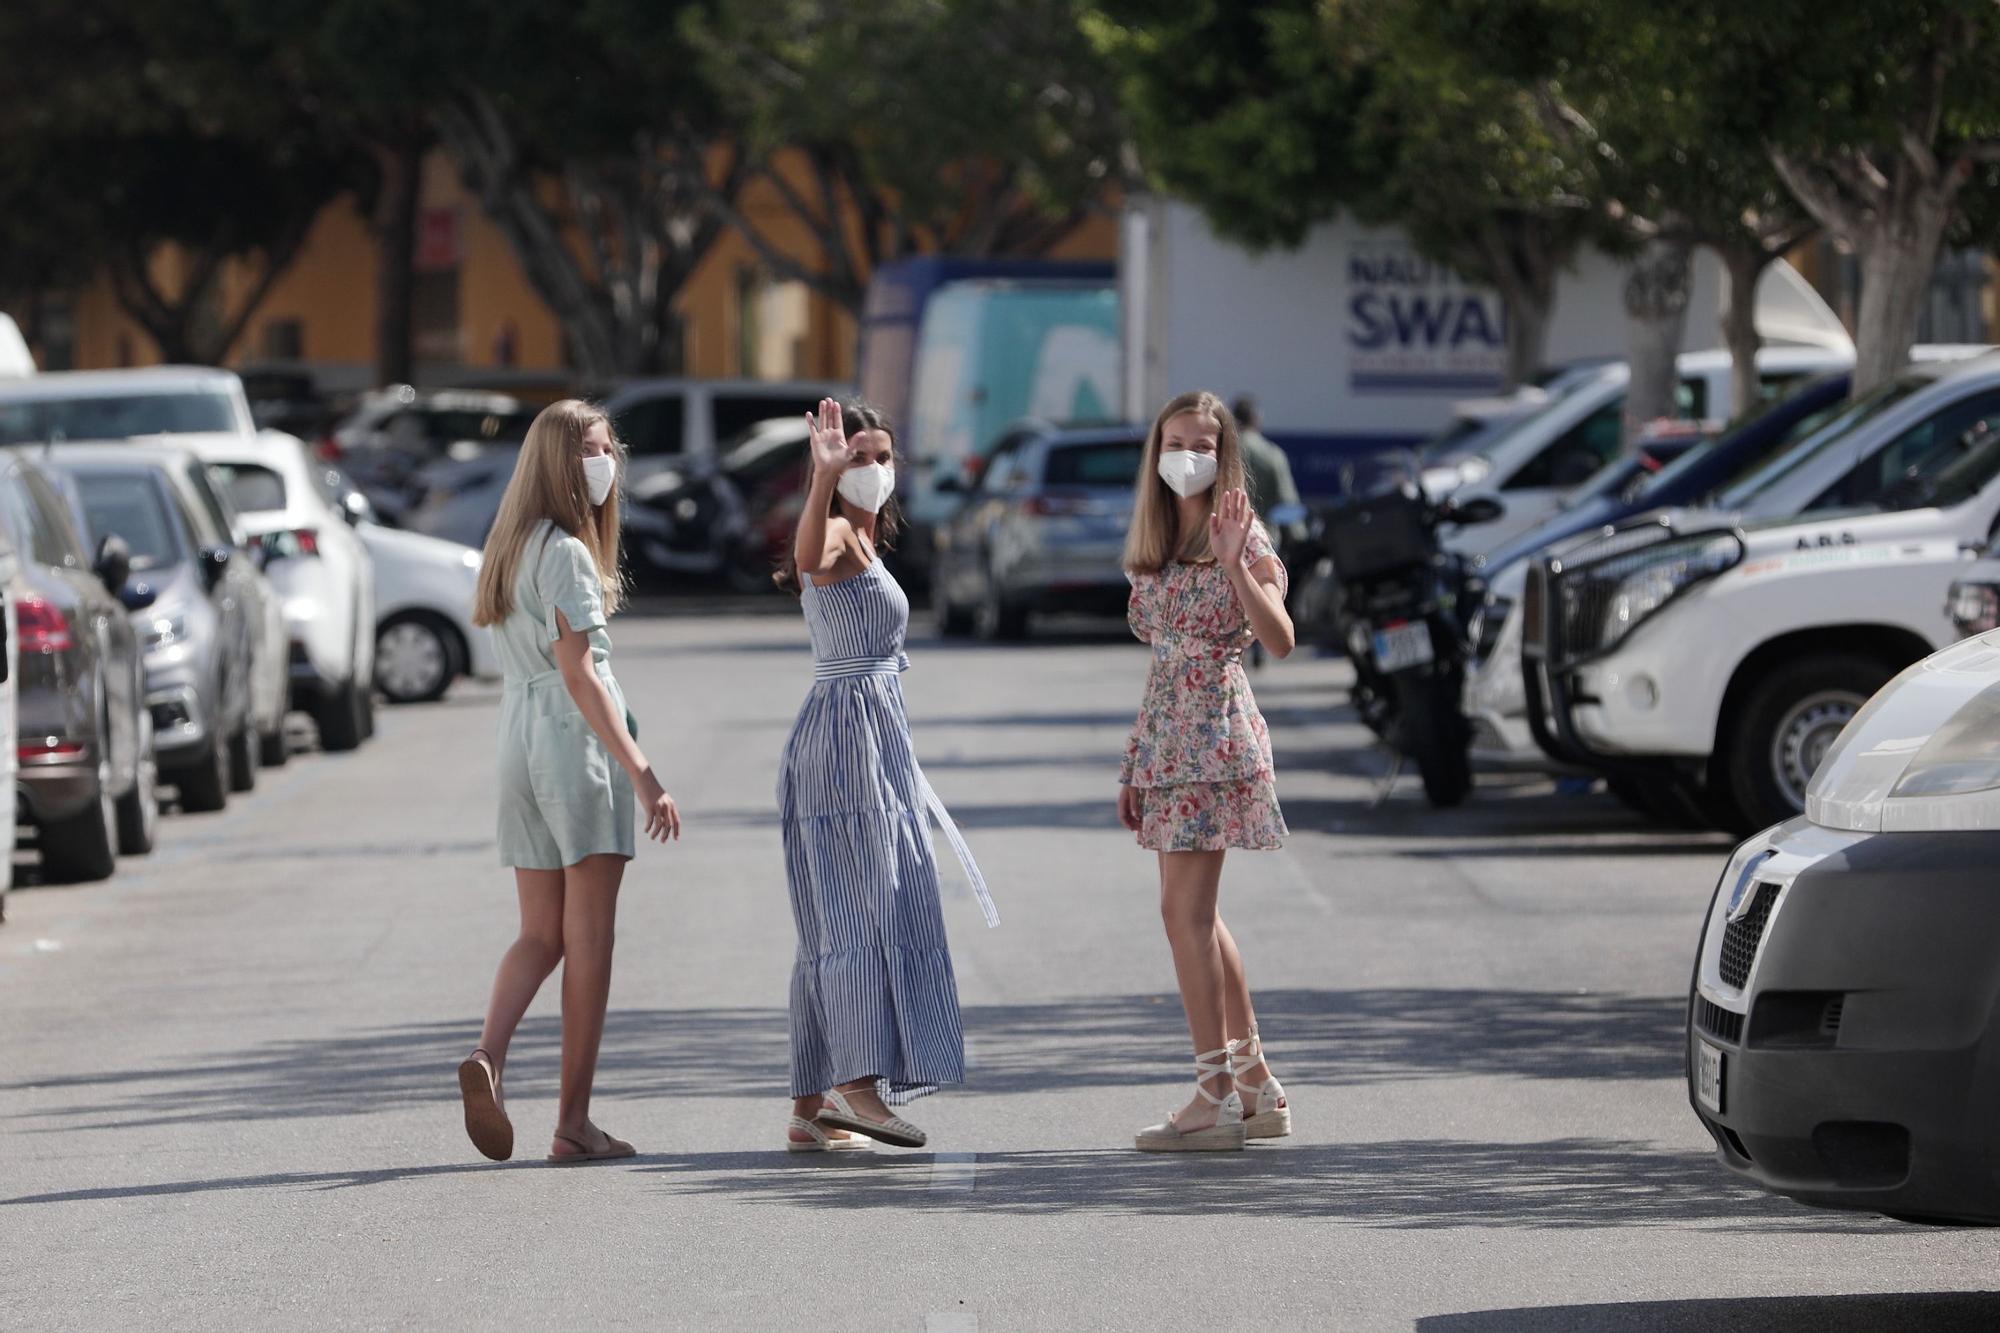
(1742, 936)
(1718, 1022)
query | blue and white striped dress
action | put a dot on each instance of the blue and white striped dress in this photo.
(872, 987)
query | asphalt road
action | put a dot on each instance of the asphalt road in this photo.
(227, 1095)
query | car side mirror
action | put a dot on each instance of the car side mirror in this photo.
(138, 595)
(948, 484)
(214, 564)
(114, 562)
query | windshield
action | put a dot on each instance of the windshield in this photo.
(128, 507)
(1114, 464)
(1829, 436)
(115, 417)
(1751, 459)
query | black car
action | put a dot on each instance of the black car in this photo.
(192, 598)
(86, 778)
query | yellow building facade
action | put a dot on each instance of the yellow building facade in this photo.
(476, 314)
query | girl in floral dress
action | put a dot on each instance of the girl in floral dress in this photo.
(1197, 777)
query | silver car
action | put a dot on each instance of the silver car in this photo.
(1043, 531)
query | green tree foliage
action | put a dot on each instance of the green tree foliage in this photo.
(152, 126)
(972, 127)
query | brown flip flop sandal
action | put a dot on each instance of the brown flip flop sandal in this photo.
(612, 1151)
(485, 1123)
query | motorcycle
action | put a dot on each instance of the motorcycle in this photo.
(1385, 591)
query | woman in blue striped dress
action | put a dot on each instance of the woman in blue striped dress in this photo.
(874, 1003)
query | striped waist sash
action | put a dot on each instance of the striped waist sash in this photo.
(834, 668)
(958, 847)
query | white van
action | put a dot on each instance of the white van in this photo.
(1731, 654)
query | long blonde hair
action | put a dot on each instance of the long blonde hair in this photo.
(1155, 536)
(548, 484)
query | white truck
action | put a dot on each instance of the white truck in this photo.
(1727, 655)
(1353, 344)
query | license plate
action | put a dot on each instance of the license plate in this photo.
(1404, 646)
(1708, 1076)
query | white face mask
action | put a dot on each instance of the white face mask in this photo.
(1186, 472)
(868, 486)
(599, 471)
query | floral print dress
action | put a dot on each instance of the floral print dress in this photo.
(1200, 754)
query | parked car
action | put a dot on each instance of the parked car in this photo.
(194, 603)
(320, 569)
(1042, 531)
(1532, 465)
(284, 397)
(424, 593)
(121, 404)
(1842, 1044)
(394, 433)
(1799, 435)
(670, 429)
(86, 776)
(1729, 654)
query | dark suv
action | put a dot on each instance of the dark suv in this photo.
(86, 781)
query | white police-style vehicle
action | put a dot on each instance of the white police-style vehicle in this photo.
(1726, 655)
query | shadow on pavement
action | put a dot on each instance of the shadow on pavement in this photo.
(1940, 1311)
(1324, 1037)
(1402, 1184)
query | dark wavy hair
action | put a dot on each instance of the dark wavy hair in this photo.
(856, 415)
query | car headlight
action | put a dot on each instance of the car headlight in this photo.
(1960, 756)
(163, 631)
(1669, 569)
(1486, 627)
(469, 558)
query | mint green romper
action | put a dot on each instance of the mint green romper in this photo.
(562, 796)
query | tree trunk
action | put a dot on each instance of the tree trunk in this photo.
(1656, 301)
(395, 225)
(1743, 262)
(1896, 265)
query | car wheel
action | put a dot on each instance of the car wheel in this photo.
(204, 787)
(79, 849)
(139, 808)
(272, 747)
(998, 619)
(414, 662)
(339, 716)
(748, 570)
(1785, 728)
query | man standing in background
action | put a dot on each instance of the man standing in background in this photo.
(1270, 471)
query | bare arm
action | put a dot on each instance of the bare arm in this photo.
(1259, 586)
(822, 536)
(571, 650)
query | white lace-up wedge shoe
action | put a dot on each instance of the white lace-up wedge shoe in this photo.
(1266, 1113)
(1225, 1135)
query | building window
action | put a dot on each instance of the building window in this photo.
(284, 340)
(434, 316)
(54, 323)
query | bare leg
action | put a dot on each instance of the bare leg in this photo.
(1188, 885)
(527, 962)
(590, 908)
(1240, 1015)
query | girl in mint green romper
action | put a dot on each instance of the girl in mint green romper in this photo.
(562, 798)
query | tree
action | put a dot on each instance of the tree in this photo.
(177, 140)
(594, 143)
(1278, 114)
(1882, 117)
(1634, 86)
(970, 127)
